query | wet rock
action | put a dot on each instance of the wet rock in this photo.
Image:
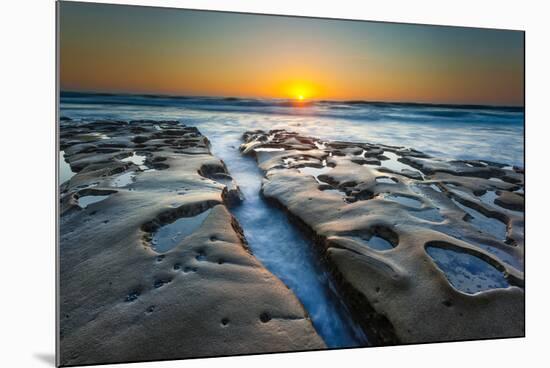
(511, 201)
(397, 291)
(130, 302)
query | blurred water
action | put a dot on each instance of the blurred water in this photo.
(443, 131)
(284, 250)
(463, 132)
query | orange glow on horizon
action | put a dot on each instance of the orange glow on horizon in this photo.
(299, 91)
(106, 48)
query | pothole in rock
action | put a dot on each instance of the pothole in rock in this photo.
(386, 180)
(395, 165)
(87, 200)
(466, 272)
(65, 171)
(520, 190)
(269, 149)
(484, 224)
(378, 238)
(91, 137)
(137, 159)
(504, 257)
(430, 214)
(124, 180)
(404, 200)
(335, 191)
(379, 243)
(489, 197)
(168, 236)
(495, 249)
(86, 186)
(222, 178)
(314, 171)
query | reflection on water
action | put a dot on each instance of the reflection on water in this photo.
(170, 235)
(137, 160)
(379, 243)
(85, 201)
(503, 256)
(486, 224)
(123, 180)
(429, 214)
(284, 250)
(314, 171)
(375, 242)
(395, 165)
(65, 172)
(466, 272)
(489, 198)
(385, 180)
(404, 200)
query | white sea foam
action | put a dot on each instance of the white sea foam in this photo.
(443, 131)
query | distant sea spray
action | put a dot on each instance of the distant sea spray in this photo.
(451, 131)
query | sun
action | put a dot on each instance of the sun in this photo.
(298, 91)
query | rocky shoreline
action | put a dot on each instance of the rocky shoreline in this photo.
(423, 250)
(152, 264)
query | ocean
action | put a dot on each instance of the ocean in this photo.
(452, 132)
(444, 131)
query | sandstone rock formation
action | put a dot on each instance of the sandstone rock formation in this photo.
(152, 265)
(422, 249)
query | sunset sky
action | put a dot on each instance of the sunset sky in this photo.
(108, 48)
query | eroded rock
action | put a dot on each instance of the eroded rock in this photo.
(123, 299)
(403, 202)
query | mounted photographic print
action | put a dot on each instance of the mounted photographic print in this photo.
(233, 183)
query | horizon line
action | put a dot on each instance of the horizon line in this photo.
(145, 94)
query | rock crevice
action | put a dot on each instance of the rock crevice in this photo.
(374, 233)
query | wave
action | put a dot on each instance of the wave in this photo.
(353, 109)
